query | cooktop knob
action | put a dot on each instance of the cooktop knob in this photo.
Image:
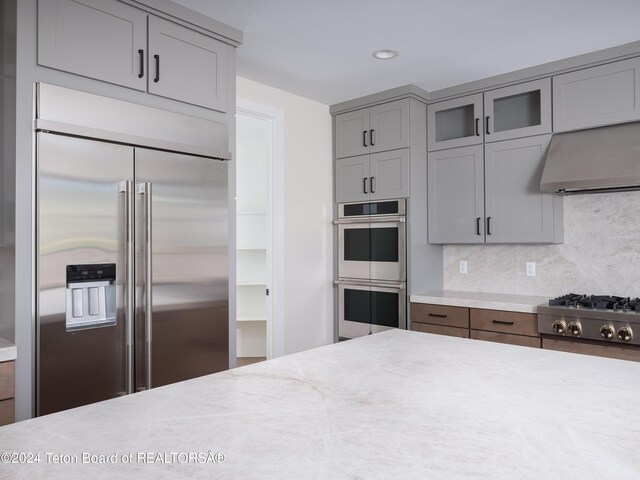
(559, 326)
(607, 332)
(574, 328)
(625, 334)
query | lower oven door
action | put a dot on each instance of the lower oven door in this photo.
(368, 307)
(373, 250)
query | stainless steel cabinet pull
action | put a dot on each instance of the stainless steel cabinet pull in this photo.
(487, 122)
(364, 185)
(477, 127)
(364, 139)
(502, 322)
(371, 137)
(157, 58)
(145, 189)
(438, 315)
(141, 53)
(125, 187)
(478, 219)
(488, 225)
(371, 180)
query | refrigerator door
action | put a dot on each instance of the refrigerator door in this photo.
(181, 267)
(81, 324)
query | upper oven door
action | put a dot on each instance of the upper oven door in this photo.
(372, 250)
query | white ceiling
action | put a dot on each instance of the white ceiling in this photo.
(322, 49)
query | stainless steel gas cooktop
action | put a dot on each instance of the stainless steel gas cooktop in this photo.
(594, 317)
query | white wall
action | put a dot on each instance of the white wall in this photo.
(599, 256)
(308, 247)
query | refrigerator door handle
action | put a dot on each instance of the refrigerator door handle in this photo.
(146, 190)
(125, 187)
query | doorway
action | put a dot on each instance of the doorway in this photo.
(259, 228)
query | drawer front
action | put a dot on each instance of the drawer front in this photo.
(7, 409)
(7, 380)
(440, 330)
(440, 315)
(506, 338)
(609, 351)
(504, 322)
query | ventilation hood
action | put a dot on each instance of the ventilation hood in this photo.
(596, 160)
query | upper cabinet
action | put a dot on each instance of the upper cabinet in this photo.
(455, 123)
(109, 41)
(505, 113)
(597, 96)
(375, 129)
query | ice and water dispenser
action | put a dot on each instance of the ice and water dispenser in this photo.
(91, 296)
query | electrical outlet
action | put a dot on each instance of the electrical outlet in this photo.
(462, 267)
(531, 269)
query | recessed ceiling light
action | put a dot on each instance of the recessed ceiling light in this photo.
(385, 54)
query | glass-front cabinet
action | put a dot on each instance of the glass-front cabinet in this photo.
(455, 123)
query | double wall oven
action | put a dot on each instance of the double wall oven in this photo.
(371, 267)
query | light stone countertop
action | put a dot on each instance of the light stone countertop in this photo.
(491, 301)
(8, 350)
(393, 405)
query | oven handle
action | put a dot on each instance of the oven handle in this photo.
(369, 220)
(360, 283)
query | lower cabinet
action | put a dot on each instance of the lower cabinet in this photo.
(514, 328)
(586, 347)
(7, 392)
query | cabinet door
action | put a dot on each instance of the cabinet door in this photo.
(101, 39)
(389, 126)
(516, 210)
(518, 111)
(186, 65)
(597, 96)
(455, 123)
(389, 174)
(352, 133)
(456, 195)
(352, 179)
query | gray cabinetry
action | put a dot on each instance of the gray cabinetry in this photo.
(510, 112)
(373, 177)
(109, 41)
(456, 195)
(186, 65)
(518, 111)
(492, 196)
(100, 39)
(597, 96)
(455, 123)
(369, 130)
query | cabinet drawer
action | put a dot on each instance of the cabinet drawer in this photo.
(506, 338)
(505, 322)
(440, 315)
(440, 330)
(7, 409)
(7, 380)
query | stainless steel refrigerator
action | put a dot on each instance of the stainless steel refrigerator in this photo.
(132, 272)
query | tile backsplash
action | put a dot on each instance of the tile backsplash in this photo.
(600, 254)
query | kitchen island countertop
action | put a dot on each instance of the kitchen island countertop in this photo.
(7, 350)
(396, 404)
(491, 301)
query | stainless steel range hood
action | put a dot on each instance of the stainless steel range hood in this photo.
(596, 160)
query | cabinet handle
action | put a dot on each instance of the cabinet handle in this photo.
(478, 219)
(364, 139)
(364, 185)
(371, 180)
(437, 315)
(502, 322)
(157, 58)
(487, 124)
(477, 127)
(371, 137)
(141, 74)
(488, 225)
